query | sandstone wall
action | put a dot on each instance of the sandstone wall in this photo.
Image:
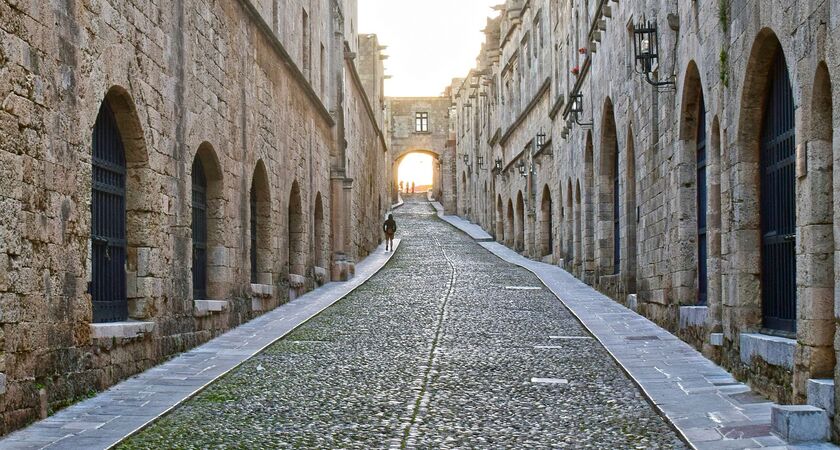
(222, 81)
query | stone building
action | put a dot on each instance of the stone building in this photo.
(420, 125)
(694, 183)
(170, 170)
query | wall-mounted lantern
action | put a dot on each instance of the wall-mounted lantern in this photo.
(521, 167)
(577, 109)
(480, 162)
(540, 140)
(498, 165)
(646, 50)
(466, 158)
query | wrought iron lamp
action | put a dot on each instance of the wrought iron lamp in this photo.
(498, 165)
(646, 50)
(521, 167)
(577, 110)
(466, 158)
(480, 162)
(540, 140)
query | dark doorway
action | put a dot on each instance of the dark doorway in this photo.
(778, 202)
(199, 230)
(108, 284)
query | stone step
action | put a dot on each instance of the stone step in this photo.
(799, 423)
(821, 394)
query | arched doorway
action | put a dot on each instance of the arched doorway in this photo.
(519, 242)
(260, 226)
(297, 235)
(500, 220)
(778, 200)
(318, 238)
(546, 223)
(609, 254)
(108, 224)
(693, 133)
(207, 217)
(416, 169)
(119, 167)
(509, 225)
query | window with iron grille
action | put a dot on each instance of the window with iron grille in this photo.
(421, 122)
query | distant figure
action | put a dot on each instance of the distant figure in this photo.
(389, 227)
(412, 187)
(401, 186)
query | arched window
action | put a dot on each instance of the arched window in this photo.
(778, 201)
(199, 230)
(108, 224)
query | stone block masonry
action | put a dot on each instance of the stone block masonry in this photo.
(185, 150)
(670, 194)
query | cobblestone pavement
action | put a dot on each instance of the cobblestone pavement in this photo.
(447, 347)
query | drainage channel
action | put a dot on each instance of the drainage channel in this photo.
(418, 408)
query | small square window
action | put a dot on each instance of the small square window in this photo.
(421, 122)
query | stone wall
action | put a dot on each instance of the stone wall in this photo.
(226, 83)
(404, 138)
(603, 121)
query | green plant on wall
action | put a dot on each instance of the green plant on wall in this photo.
(723, 14)
(724, 67)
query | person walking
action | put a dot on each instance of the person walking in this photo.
(389, 227)
(412, 187)
(401, 186)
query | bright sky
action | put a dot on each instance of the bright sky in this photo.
(416, 167)
(429, 41)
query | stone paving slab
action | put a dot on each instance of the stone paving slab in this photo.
(699, 398)
(106, 419)
(474, 231)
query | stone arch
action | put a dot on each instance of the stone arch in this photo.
(398, 159)
(519, 241)
(297, 233)
(318, 237)
(123, 213)
(746, 223)
(546, 223)
(500, 219)
(208, 218)
(815, 232)
(692, 180)
(609, 216)
(260, 229)
(509, 225)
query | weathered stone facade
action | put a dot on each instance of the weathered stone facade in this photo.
(681, 164)
(263, 96)
(409, 133)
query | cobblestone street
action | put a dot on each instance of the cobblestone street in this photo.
(447, 346)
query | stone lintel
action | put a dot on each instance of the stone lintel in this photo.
(125, 330)
(775, 350)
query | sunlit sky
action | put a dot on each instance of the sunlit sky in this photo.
(416, 167)
(429, 41)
